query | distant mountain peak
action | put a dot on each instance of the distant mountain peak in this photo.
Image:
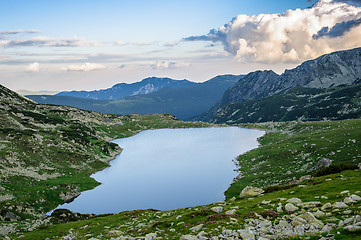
(122, 90)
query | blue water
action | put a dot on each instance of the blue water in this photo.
(167, 169)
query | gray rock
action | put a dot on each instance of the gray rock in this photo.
(324, 162)
(294, 200)
(196, 228)
(352, 228)
(217, 209)
(326, 206)
(251, 191)
(319, 214)
(310, 218)
(289, 207)
(339, 205)
(352, 199)
(246, 234)
(188, 237)
(8, 216)
(231, 212)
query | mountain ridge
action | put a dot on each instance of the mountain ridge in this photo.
(330, 70)
(121, 90)
(184, 103)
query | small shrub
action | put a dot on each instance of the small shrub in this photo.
(269, 214)
(201, 213)
(335, 168)
(217, 216)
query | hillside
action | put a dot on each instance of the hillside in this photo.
(121, 90)
(47, 153)
(330, 70)
(303, 104)
(312, 203)
(184, 103)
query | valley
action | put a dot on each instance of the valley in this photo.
(304, 176)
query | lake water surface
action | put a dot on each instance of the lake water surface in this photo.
(167, 169)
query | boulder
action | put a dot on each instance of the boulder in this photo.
(65, 215)
(188, 237)
(217, 209)
(151, 236)
(339, 205)
(294, 200)
(352, 199)
(8, 216)
(325, 206)
(231, 212)
(353, 228)
(251, 191)
(324, 162)
(310, 218)
(197, 228)
(246, 234)
(289, 207)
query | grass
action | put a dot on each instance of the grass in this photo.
(142, 222)
(289, 150)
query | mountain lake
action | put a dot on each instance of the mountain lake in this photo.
(167, 169)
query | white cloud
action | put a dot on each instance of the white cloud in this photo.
(33, 67)
(293, 36)
(84, 67)
(167, 64)
(49, 42)
(19, 31)
(171, 44)
(137, 44)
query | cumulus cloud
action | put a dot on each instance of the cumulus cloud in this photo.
(293, 36)
(48, 42)
(168, 64)
(86, 67)
(33, 67)
(338, 30)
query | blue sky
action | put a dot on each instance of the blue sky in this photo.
(65, 45)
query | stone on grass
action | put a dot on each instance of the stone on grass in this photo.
(150, 236)
(324, 162)
(196, 228)
(310, 218)
(325, 206)
(352, 228)
(339, 205)
(289, 207)
(232, 199)
(319, 214)
(246, 234)
(188, 237)
(231, 212)
(294, 200)
(352, 199)
(217, 209)
(251, 191)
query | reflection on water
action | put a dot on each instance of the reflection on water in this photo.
(168, 168)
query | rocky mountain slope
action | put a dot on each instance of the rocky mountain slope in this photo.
(122, 90)
(330, 70)
(305, 104)
(184, 103)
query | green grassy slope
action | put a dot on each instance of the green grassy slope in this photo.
(48, 152)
